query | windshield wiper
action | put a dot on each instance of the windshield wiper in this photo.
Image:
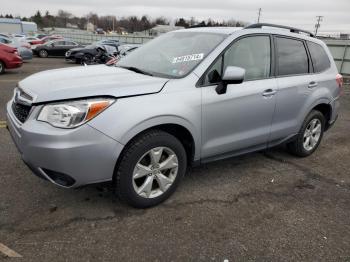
(136, 70)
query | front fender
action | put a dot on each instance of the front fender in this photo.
(160, 120)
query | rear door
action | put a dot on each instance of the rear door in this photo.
(55, 50)
(295, 85)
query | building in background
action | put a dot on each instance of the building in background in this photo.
(16, 26)
(29, 27)
(10, 26)
(90, 27)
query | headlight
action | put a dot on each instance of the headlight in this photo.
(73, 113)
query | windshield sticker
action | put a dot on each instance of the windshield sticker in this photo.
(188, 58)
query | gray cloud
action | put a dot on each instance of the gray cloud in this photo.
(299, 13)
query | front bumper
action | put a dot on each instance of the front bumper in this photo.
(83, 154)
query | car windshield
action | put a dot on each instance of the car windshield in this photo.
(172, 55)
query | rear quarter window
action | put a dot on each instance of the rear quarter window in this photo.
(319, 57)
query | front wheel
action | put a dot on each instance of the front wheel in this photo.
(150, 169)
(87, 59)
(310, 135)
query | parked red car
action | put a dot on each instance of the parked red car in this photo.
(9, 58)
(45, 39)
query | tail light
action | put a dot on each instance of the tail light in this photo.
(340, 83)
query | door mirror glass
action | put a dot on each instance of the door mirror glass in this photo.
(234, 75)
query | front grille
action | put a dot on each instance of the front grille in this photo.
(21, 111)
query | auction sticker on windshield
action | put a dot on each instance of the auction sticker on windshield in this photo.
(188, 58)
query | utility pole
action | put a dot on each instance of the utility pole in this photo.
(259, 15)
(113, 23)
(318, 24)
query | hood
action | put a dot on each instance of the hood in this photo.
(88, 81)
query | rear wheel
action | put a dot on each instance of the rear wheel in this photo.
(2, 67)
(43, 53)
(150, 169)
(310, 135)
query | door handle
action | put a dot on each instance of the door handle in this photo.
(312, 84)
(269, 92)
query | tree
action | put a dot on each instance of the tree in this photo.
(145, 23)
(63, 17)
(182, 22)
(38, 19)
(161, 21)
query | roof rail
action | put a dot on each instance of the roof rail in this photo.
(291, 29)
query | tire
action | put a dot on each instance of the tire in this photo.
(300, 147)
(2, 67)
(43, 53)
(130, 182)
(87, 59)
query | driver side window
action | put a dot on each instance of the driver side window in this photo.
(252, 53)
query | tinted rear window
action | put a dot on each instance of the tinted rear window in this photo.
(292, 57)
(319, 57)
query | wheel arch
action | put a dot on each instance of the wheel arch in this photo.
(179, 129)
(321, 104)
(326, 110)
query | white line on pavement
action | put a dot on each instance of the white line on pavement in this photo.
(8, 252)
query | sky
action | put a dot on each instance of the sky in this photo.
(297, 13)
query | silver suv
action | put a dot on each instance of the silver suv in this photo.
(185, 98)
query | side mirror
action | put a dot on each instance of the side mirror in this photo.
(232, 75)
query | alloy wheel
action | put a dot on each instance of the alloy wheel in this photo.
(155, 172)
(43, 53)
(312, 134)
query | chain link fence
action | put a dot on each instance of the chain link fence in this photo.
(340, 50)
(85, 37)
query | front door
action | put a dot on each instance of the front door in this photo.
(240, 119)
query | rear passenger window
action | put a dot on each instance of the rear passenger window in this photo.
(319, 57)
(292, 57)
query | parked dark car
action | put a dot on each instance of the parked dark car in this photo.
(54, 48)
(88, 53)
